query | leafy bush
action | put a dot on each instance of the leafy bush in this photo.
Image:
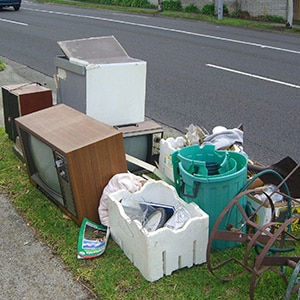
(128, 3)
(172, 5)
(208, 9)
(236, 14)
(192, 8)
(274, 19)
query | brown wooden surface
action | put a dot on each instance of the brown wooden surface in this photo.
(31, 97)
(65, 128)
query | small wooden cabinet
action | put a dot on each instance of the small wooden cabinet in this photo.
(22, 99)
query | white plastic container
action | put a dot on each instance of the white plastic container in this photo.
(167, 146)
(264, 213)
(163, 251)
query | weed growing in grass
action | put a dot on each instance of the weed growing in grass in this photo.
(2, 66)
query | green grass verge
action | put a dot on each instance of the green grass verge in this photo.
(112, 275)
(2, 66)
(182, 15)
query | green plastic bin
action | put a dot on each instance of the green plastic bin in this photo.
(211, 192)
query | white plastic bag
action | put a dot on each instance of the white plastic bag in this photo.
(128, 181)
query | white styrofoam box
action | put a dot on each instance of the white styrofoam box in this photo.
(163, 251)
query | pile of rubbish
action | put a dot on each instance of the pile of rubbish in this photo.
(222, 139)
(212, 172)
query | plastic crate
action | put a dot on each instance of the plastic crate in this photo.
(163, 251)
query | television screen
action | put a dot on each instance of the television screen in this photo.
(137, 146)
(41, 165)
(141, 141)
(43, 159)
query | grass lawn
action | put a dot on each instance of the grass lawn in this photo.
(112, 275)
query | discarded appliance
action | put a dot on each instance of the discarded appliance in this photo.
(22, 99)
(71, 157)
(142, 141)
(97, 77)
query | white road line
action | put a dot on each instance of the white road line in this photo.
(254, 76)
(169, 29)
(131, 16)
(14, 22)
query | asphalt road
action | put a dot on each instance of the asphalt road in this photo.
(197, 72)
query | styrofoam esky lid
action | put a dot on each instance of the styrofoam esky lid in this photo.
(96, 50)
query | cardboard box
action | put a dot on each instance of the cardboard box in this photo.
(165, 250)
(264, 213)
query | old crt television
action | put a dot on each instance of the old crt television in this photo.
(71, 157)
(23, 99)
(142, 140)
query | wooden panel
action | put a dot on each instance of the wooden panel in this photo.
(79, 130)
(29, 103)
(95, 165)
(31, 96)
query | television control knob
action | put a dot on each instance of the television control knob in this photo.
(156, 138)
(59, 163)
(62, 173)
